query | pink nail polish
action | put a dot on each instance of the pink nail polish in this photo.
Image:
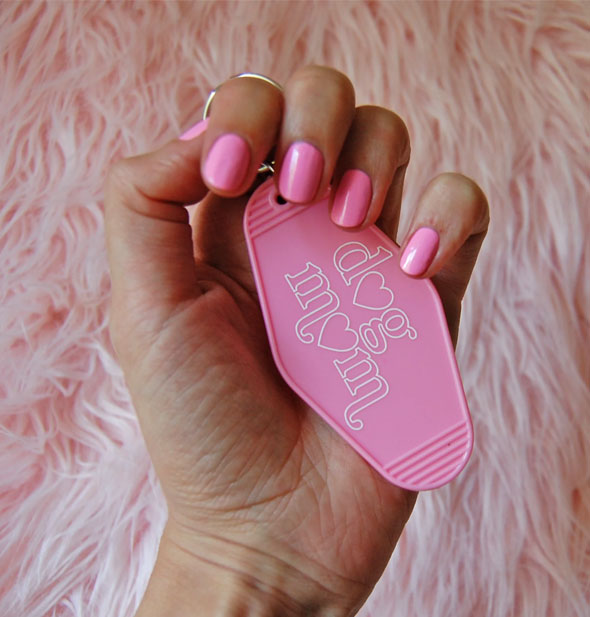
(301, 172)
(420, 251)
(227, 162)
(352, 199)
(196, 130)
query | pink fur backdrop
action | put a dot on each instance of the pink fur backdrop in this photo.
(498, 91)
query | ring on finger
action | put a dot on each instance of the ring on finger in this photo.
(211, 96)
(266, 166)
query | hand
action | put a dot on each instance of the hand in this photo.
(269, 509)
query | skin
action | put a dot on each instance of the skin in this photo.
(270, 511)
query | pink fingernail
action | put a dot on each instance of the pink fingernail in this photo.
(196, 130)
(352, 199)
(420, 251)
(227, 162)
(301, 172)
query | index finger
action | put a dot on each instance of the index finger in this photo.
(243, 127)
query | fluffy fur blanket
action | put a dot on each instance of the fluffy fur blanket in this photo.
(497, 91)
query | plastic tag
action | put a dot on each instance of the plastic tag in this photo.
(363, 344)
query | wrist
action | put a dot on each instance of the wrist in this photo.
(219, 577)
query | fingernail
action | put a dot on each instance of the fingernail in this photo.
(227, 162)
(301, 172)
(352, 198)
(195, 130)
(420, 251)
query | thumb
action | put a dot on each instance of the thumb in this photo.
(148, 235)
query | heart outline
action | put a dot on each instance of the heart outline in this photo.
(363, 282)
(347, 328)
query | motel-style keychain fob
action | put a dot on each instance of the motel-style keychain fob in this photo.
(366, 346)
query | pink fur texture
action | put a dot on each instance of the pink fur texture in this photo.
(498, 91)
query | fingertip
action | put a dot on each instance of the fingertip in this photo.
(420, 251)
(352, 199)
(227, 163)
(301, 172)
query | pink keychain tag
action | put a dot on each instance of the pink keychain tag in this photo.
(363, 344)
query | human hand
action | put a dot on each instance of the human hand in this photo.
(270, 511)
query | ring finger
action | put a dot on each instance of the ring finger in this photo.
(370, 172)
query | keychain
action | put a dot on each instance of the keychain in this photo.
(363, 344)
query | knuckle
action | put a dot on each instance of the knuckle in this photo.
(324, 78)
(448, 183)
(387, 123)
(454, 184)
(246, 87)
(468, 194)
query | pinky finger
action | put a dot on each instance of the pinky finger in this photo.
(444, 238)
(452, 215)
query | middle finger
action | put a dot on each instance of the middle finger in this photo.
(319, 109)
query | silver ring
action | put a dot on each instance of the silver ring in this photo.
(267, 166)
(213, 92)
